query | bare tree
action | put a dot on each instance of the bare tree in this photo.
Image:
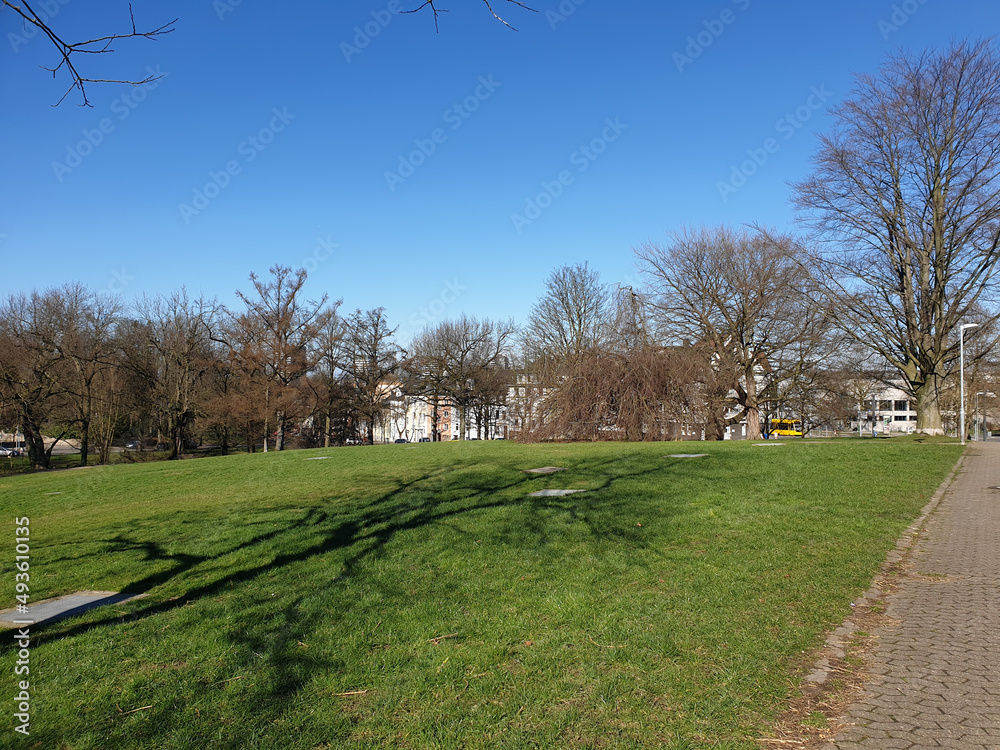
(369, 358)
(31, 369)
(83, 335)
(276, 336)
(743, 293)
(906, 192)
(457, 361)
(169, 347)
(38, 23)
(571, 317)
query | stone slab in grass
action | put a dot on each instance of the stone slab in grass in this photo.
(544, 470)
(50, 610)
(686, 455)
(553, 493)
(316, 458)
(761, 445)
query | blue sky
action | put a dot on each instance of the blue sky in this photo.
(429, 173)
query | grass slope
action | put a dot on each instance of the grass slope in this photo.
(414, 596)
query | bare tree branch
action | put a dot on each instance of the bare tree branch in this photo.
(96, 46)
(435, 10)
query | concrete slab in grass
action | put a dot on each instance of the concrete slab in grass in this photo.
(553, 493)
(544, 470)
(686, 455)
(50, 610)
(762, 445)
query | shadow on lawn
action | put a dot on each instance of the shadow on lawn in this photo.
(433, 498)
(409, 506)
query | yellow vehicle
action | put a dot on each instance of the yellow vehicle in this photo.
(786, 427)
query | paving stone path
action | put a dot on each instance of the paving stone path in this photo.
(936, 678)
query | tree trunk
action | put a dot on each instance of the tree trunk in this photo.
(928, 407)
(84, 441)
(35, 444)
(751, 407)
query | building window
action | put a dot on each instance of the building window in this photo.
(900, 418)
(885, 405)
(901, 406)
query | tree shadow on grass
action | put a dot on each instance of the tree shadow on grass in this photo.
(362, 533)
(409, 506)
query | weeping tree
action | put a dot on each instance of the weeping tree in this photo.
(906, 196)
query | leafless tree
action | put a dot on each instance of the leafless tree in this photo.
(906, 194)
(82, 334)
(169, 348)
(655, 393)
(369, 358)
(571, 316)
(743, 294)
(276, 336)
(31, 370)
(456, 362)
(38, 23)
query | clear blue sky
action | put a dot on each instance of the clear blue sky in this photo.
(666, 98)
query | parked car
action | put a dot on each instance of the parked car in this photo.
(401, 440)
(424, 440)
(9, 452)
(133, 445)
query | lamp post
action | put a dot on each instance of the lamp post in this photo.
(961, 377)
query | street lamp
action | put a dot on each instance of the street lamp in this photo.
(961, 376)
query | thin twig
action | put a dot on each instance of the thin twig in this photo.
(141, 708)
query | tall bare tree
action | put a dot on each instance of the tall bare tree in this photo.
(32, 382)
(906, 193)
(456, 362)
(369, 358)
(169, 348)
(276, 335)
(83, 334)
(743, 293)
(571, 316)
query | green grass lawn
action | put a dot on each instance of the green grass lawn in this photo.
(414, 596)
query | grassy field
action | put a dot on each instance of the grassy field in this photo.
(414, 596)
